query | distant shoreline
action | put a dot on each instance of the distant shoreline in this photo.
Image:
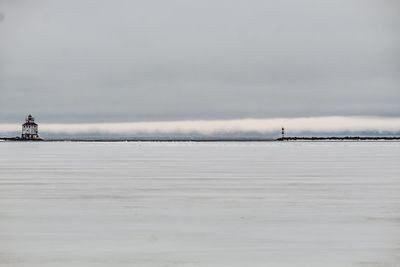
(309, 139)
(341, 138)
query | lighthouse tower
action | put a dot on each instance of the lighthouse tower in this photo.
(30, 129)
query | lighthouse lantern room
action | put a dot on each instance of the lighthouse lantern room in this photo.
(30, 129)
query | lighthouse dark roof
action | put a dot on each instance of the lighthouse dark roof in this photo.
(29, 123)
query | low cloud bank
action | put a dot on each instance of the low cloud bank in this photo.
(210, 127)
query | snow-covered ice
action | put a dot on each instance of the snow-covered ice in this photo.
(200, 204)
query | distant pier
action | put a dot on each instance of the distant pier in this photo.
(341, 138)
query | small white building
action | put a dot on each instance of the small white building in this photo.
(30, 130)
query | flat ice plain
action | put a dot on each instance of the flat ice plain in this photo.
(200, 204)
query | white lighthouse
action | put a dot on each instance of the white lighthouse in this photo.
(30, 129)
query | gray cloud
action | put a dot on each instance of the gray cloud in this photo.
(111, 61)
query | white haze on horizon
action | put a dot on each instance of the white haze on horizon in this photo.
(210, 127)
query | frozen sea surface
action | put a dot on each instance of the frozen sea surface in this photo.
(200, 204)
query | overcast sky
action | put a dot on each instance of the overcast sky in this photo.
(69, 61)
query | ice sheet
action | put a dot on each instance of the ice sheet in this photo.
(199, 204)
